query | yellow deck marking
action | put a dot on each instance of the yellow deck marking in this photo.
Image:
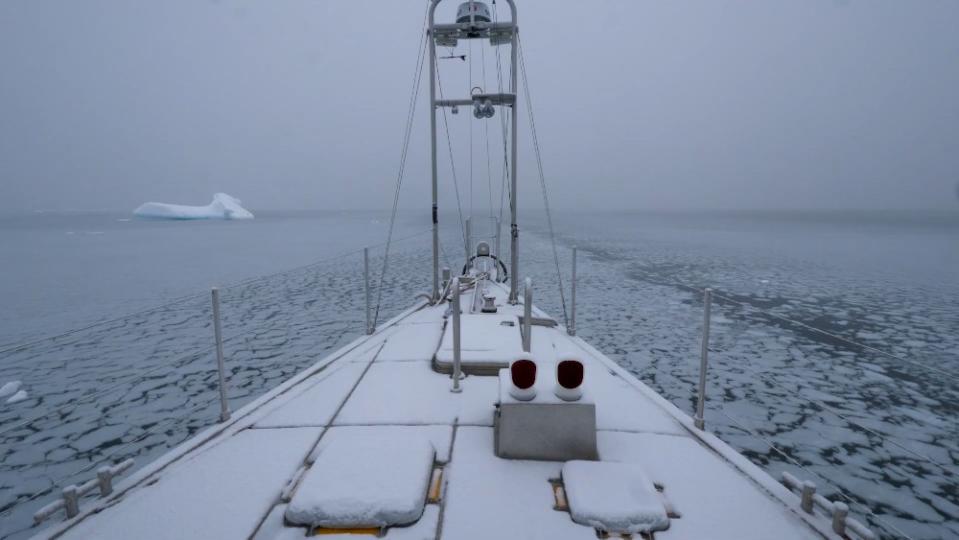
(436, 485)
(375, 531)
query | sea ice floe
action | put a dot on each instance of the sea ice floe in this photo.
(222, 207)
(9, 388)
(19, 396)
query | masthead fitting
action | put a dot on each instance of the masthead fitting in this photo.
(471, 12)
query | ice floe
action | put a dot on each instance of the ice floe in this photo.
(19, 396)
(9, 388)
(223, 207)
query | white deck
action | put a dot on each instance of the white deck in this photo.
(236, 479)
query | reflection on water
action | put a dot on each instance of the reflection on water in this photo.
(859, 423)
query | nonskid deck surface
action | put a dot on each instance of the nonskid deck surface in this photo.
(386, 392)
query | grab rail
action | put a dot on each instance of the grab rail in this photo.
(810, 500)
(72, 493)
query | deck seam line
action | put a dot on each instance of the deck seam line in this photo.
(446, 482)
(304, 463)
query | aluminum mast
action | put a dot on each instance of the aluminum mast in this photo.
(498, 34)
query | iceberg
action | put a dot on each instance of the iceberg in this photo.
(222, 207)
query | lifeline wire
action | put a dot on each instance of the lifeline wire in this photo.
(410, 116)
(542, 178)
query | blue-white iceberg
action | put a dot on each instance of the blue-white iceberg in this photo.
(222, 207)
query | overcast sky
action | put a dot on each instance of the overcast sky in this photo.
(639, 104)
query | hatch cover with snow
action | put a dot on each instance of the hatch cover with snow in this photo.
(365, 480)
(613, 497)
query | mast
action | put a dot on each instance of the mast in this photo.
(514, 227)
(436, 224)
(477, 26)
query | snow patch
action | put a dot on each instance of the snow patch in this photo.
(364, 480)
(222, 207)
(615, 497)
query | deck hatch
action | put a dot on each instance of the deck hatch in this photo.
(365, 481)
(616, 498)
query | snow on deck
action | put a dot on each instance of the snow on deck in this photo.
(365, 479)
(246, 478)
(613, 496)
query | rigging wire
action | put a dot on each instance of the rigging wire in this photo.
(470, 91)
(449, 144)
(410, 117)
(489, 175)
(504, 192)
(542, 177)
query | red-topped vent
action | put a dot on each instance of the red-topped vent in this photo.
(523, 373)
(569, 374)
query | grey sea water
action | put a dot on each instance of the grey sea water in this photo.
(131, 371)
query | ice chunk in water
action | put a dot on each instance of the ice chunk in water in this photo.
(19, 396)
(9, 389)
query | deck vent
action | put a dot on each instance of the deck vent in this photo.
(523, 375)
(569, 380)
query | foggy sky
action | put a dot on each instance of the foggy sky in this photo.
(639, 104)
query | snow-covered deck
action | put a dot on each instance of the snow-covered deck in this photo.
(384, 395)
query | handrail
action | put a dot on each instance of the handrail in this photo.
(72, 493)
(841, 522)
(793, 461)
(116, 452)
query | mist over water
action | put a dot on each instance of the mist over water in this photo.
(880, 430)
